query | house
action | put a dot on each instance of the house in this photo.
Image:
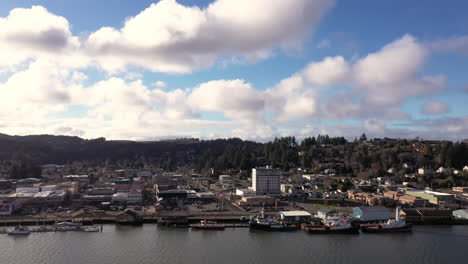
(407, 166)
(424, 171)
(371, 213)
(446, 171)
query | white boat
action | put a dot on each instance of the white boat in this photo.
(335, 224)
(67, 226)
(92, 228)
(208, 225)
(19, 230)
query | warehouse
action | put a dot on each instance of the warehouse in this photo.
(371, 213)
(295, 216)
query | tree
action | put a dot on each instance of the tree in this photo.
(363, 137)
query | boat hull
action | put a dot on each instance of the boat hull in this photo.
(255, 226)
(322, 230)
(208, 227)
(18, 233)
(378, 229)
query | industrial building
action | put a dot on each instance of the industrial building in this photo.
(436, 198)
(371, 213)
(266, 181)
(296, 216)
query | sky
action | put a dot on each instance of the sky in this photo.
(253, 69)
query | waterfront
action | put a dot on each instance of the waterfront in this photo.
(152, 244)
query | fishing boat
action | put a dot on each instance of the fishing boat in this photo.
(264, 223)
(397, 225)
(333, 225)
(19, 230)
(208, 225)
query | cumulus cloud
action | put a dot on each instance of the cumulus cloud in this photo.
(46, 73)
(235, 98)
(434, 108)
(166, 36)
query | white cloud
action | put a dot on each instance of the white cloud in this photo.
(329, 71)
(455, 44)
(434, 108)
(160, 84)
(235, 98)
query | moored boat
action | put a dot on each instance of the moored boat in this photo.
(208, 225)
(264, 223)
(67, 226)
(333, 225)
(91, 228)
(397, 225)
(19, 230)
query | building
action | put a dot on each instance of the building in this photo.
(256, 201)
(405, 199)
(82, 179)
(225, 179)
(49, 197)
(460, 189)
(436, 198)
(371, 213)
(72, 187)
(324, 213)
(296, 217)
(424, 171)
(446, 171)
(8, 206)
(131, 197)
(288, 189)
(245, 192)
(426, 215)
(266, 181)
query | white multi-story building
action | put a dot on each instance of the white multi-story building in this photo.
(266, 181)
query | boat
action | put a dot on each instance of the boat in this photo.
(91, 228)
(333, 225)
(264, 223)
(67, 226)
(208, 225)
(19, 230)
(397, 225)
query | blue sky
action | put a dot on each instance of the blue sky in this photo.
(224, 69)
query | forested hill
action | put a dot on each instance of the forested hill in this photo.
(43, 149)
(361, 157)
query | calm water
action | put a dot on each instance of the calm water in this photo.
(150, 244)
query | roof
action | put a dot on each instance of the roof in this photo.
(325, 210)
(370, 209)
(295, 213)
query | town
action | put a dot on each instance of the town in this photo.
(125, 194)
